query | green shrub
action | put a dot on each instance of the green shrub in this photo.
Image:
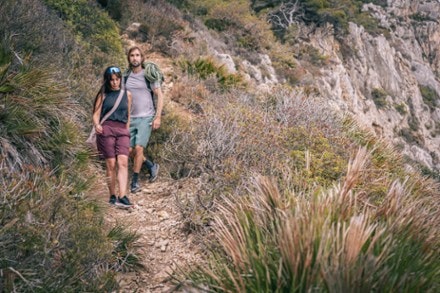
(312, 55)
(219, 24)
(413, 123)
(205, 68)
(124, 253)
(370, 24)
(426, 171)
(408, 135)
(421, 17)
(383, 3)
(320, 12)
(90, 24)
(401, 108)
(313, 156)
(379, 97)
(113, 7)
(430, 97)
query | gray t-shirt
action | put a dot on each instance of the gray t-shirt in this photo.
(142, 100)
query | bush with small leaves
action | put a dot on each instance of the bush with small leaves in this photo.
(205, 68)
(430, 97)
(379, 97)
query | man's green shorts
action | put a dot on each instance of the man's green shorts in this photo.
(140, 130)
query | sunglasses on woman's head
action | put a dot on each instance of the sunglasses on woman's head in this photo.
(112, 70)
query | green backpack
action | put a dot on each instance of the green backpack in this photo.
(153, 73)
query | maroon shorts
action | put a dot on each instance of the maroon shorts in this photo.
(114, 139)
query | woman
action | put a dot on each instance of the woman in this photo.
(112, 135)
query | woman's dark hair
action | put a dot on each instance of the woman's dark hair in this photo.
(106, 87)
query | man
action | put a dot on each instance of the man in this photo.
(145, 111)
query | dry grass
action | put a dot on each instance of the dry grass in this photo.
(237, 134)
(159, 22)
(328, 241)
(52, 236)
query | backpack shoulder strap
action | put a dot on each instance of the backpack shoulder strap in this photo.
(125, 75)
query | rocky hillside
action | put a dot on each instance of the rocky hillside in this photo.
(257, 176)
(389, 81)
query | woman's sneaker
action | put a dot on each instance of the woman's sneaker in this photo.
(112, 199)
(124, 201)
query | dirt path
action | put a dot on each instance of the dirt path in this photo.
(163, 244)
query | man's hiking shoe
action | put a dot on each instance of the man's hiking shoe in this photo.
(124, 201)
(145, 165)
(134, 187)
(154, 172)
(112, 199)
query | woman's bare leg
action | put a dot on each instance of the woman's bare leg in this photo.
(123, 174)
(111, 175)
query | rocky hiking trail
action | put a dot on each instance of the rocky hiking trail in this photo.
(163, 245)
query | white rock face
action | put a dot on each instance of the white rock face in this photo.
(397, 66)
(226, 61)
(263, 74)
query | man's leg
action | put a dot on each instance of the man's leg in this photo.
(153, 168)
(137, 164)
(147, 164)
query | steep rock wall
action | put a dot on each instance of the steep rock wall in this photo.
(388, 82)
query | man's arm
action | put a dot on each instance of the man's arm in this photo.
(158, 93)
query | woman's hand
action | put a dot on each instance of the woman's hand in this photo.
(98, 128)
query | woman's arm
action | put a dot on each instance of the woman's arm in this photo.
(97, 114)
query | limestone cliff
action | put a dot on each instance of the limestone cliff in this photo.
(391, 83)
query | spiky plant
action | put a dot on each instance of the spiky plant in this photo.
(325, 241)
(52, 236)
(124, 251)
(34, 121)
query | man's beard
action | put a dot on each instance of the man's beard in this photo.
(135, 64)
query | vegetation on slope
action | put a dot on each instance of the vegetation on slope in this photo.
(285, 16)
(326, 241)
(53, 238)
(287, 213)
